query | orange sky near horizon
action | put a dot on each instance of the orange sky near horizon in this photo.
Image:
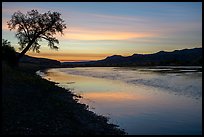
(69, 57)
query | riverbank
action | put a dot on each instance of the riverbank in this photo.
(34, 106)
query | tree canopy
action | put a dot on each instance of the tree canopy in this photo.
(33, 27)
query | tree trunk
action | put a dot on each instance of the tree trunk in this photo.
(24, 51)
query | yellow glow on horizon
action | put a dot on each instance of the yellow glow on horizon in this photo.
(69, 56)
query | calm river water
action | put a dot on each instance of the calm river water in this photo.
(146, 101)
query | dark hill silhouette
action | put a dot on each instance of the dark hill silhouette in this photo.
(185, 57)
(39, 61)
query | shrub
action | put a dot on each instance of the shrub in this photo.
(8, 53)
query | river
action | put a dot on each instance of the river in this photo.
(141, 100)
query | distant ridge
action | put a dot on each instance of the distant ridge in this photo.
(184, 57)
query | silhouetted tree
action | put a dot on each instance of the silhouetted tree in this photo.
(32, 27)
(8, 53)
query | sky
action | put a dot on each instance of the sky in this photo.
(96, 30)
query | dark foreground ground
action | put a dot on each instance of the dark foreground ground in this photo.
(34, 106)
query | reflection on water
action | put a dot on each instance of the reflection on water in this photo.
(138, 101)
